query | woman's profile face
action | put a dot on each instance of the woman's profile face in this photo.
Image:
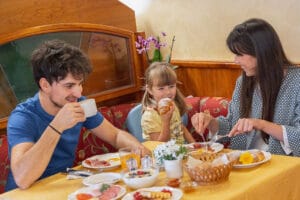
(247, 62)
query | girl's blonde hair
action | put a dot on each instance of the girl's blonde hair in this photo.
(165, 75)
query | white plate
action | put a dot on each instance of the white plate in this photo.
(105, 177)
(176, 193)
(216, 147)
(112, 158)
(267, 158)
(90, 189)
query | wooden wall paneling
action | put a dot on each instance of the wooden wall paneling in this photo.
(21, 14)
(142, 57)
(202, 78)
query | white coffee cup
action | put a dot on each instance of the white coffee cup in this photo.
(89, 107)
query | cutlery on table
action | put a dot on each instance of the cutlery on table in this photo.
(82, 173)
(217, 137)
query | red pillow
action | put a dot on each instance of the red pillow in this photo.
(4, 164)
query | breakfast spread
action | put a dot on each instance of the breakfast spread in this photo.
(205, 166)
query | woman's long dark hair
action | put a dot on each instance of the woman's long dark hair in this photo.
(258, 38)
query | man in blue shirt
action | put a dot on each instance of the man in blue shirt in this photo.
(43, 132)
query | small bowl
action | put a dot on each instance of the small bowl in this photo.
(173, 182)
(140, 178)
(188, 186)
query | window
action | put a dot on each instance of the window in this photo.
(111, 51)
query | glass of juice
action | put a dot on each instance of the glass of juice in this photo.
(130, 158)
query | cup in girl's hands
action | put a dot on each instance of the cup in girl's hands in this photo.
(89, 107)
(164, 105)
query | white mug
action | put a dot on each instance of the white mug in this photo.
(89, 107)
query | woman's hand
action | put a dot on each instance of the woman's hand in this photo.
(244, 125)
(201, 121)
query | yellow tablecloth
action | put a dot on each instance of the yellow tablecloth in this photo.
(277, 179)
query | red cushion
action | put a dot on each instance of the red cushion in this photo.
(107, 114)
(4, 162)
(193, 107)
(120, 113)
(90, 145)
(216, 106)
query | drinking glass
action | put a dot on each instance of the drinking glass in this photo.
(130, 158)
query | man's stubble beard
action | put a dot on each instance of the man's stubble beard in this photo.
(57, 105)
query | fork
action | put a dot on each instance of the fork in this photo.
(216, 137)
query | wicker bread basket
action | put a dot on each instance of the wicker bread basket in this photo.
(205, 173)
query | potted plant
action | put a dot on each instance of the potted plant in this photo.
(144, 45)
(170, 156)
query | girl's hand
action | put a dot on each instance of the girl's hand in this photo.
(168, 115)
(200, 121)
(243, 125)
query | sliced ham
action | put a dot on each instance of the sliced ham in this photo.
(110, 193)
(97, 163)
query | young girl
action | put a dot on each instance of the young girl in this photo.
(161, 81)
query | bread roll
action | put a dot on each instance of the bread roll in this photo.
(164, 105)
(258, 156)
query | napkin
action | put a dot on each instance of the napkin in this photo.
(220, 161)
(192, 162)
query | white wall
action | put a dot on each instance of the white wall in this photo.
(201, 26)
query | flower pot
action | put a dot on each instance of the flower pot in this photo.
(173, 168)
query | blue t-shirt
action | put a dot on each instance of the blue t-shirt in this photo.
(27, 123)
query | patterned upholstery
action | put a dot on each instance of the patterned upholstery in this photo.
(4, 162)
(107, 113)
(216, 106)
(90, 145)
(120, 113)
(193, 104)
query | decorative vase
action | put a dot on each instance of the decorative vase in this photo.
(173, 168)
